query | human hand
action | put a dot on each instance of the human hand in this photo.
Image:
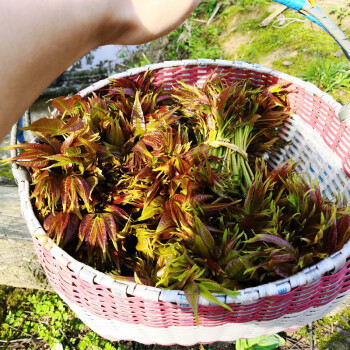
(131, 22)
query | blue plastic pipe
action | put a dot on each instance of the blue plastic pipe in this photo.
(295, 5)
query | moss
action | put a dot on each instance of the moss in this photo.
(244, 6)
(303, 47)
(9, 299)
(5, 171)
(16, 296)
(293, 37)
(2, 304)
(40, 277)
(46, 319)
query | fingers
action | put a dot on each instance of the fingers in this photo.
(160, 17)
(145, 20)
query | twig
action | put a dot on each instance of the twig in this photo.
(65, 337)
(122, 65)
(273, 15)
(146, 58)
(199, 20)
(217, 8)
(18, 330)
(295, 343)
(295, 346)
(16, 340)
(311, 337)
(188, 27)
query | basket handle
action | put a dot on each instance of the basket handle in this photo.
(315, 14)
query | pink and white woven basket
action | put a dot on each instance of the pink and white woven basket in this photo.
(127, 311)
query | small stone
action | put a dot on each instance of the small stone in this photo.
(287, 63)
(337, 53)
(58, 346)
(341, 93)
(4, 181)
(282, 20)
(344, 318)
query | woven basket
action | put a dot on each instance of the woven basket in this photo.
(127, 311)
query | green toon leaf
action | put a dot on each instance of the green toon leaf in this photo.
(45, 125)
(265, 342)
(204, 292)
(192, 296)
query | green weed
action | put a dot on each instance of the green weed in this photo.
(294, 37)
(328, 75)
(310, 52)
(5, 171)
(247, 5)
(44, 319)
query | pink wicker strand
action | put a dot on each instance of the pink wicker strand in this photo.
(101, 302)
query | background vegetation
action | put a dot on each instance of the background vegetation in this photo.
(234, 33)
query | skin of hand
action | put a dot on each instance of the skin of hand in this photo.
(40, 39)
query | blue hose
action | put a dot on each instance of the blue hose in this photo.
(20, 136)
(298, 5)
(292, 4)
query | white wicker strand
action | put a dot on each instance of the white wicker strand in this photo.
(339, 260)
(186, 336)
(119, 289)
(148, 293)
(87, 275)
(310, 151)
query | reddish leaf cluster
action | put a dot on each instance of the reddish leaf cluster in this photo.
(171, 190)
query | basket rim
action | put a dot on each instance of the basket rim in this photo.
(307, 276)
(308, 87)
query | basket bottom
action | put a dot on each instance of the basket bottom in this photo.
(115, 330)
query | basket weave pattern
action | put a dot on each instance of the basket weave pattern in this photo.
(113, 304)
(120, 310)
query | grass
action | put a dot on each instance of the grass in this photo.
(333, 330)
(31, 319)
(266, 40)
(39, 320)
(328, 75)
(235, 34)
(309, 51)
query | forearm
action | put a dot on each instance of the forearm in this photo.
(148, 20)
(40, 39)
